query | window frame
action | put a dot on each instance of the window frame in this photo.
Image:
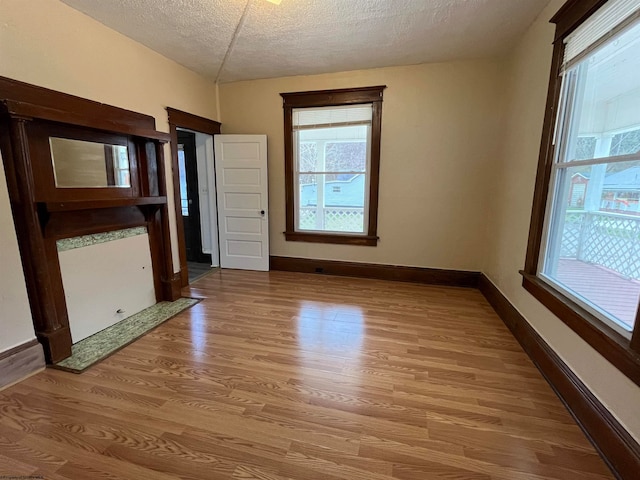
(333, 98)
(622, 352)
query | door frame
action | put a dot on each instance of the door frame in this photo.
(180, 119)
(187, 139)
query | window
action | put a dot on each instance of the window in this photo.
(332, 155)
(583, 260)
(184, 196)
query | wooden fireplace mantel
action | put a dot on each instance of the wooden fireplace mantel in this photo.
(44, 213)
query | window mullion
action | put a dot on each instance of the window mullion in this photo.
(597, 161)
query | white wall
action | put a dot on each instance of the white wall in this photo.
(440, 132)
(47, 43)
(510, 212)
(120, 270)
(16, 327)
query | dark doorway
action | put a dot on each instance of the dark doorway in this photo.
(190, 201)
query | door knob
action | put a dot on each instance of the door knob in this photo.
(261, 212)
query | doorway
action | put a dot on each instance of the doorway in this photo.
(190, 198)
(194, 193)
(197, 202)
(231, 192)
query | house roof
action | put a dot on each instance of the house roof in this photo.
(628, 179)
(624, 180)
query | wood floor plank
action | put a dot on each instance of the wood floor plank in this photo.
(281, 376)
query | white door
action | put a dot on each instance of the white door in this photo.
(243, 207)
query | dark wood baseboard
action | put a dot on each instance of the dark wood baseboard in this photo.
(432, 276)
(20, 362)
(618, 449)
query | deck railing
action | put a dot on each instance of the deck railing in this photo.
(608, 239)
(335, 219)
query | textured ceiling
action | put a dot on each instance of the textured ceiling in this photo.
(230, 40)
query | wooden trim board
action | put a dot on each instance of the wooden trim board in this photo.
(618, 449)
(432, 276)
(20, 362)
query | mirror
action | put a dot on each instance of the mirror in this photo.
(81, 164)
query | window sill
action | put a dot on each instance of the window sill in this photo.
(606, 341)
(362, 240)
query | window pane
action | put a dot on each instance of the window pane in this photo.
(335, 149)
(184, 198)
(602, 106)
(594, 245)
(593, 240)
(348, 156)
(308, 156)
(626, 143)
(586, 148)
(328, 204)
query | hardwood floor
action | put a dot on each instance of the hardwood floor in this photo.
(299, 376)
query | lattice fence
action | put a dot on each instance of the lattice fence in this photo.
(344, 220)
(571, 234)
(307, 218)
(606, 239)
(334, 219)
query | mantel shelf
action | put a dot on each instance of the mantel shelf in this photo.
(25, 109)
(111, 203)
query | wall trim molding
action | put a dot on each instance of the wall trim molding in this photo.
(20, 362)
(399, 273)
(617, 447)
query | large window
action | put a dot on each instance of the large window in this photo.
(583, 260)
(332, 154)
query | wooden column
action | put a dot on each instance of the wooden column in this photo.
(172, 282)
(39, 254)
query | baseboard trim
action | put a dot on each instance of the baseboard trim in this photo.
(431, 276)
(618, 449)
(20, 362)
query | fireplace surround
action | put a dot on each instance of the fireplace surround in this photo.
(75, 168)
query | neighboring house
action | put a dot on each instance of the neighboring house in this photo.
(337, 193)
(620, 193)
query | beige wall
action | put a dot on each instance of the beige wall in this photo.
(439, 139)
(46, 43)
(510, 212)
